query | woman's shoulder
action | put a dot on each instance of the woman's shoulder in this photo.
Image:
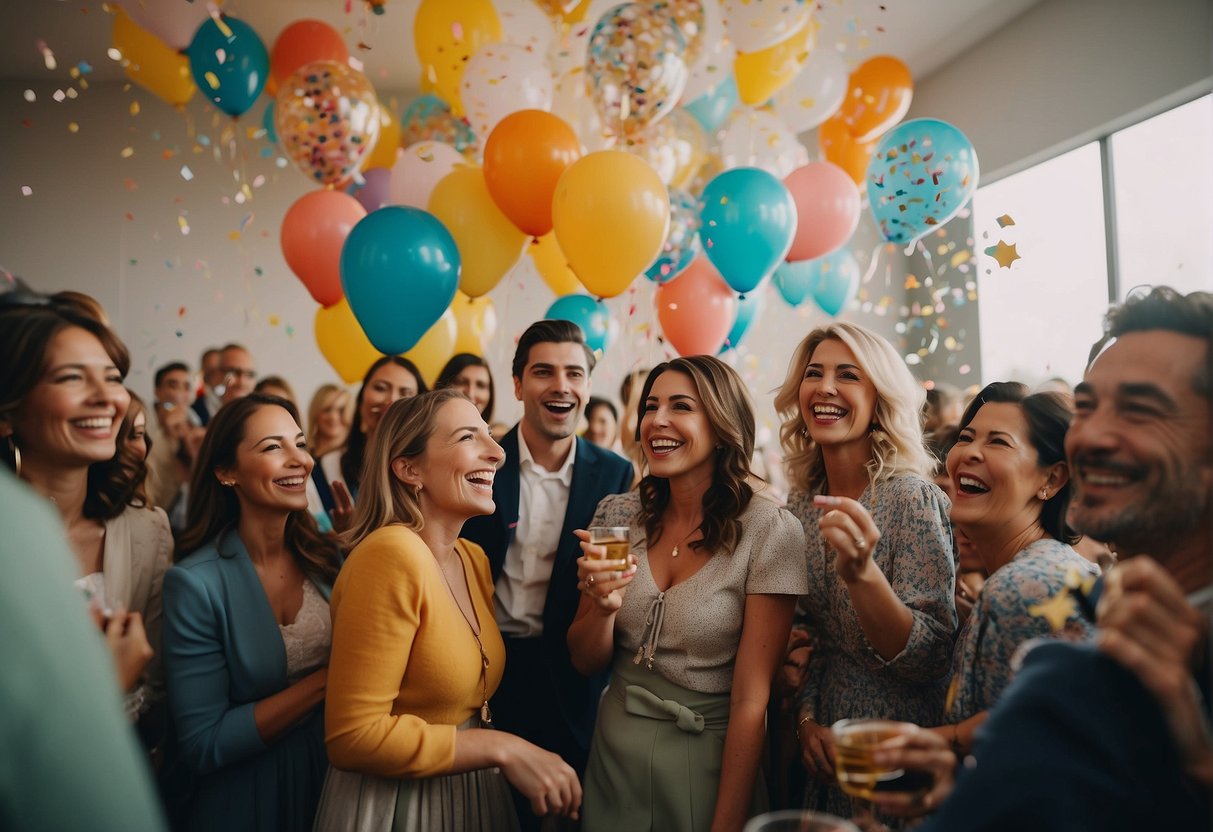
(203, 561)
(142, 518)
(394, 545)
(620, 507)
(1047, 559)
(908, 491)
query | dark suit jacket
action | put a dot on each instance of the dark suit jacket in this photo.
(199, 407)
(596, 473)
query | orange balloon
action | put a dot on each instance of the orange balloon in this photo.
(523, 159)
(838, 146)
(313, 232)
(301, 43)
(878, 96)
(696, 310)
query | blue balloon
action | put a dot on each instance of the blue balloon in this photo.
(712, 108)
(837, 280)
(400, 270)
(229, 63)
(795, 281)
(922, 172)
(681, 241)
(747, 224)
(589, 314)
(747, 310)
(267, 121)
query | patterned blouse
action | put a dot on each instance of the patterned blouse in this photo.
(1025, 599)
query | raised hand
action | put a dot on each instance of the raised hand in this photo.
(849, 530)
(602, 580)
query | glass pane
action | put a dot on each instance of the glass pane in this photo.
(1040, 316)
(1161, 170)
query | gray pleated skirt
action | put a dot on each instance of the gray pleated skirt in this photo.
(473, 800)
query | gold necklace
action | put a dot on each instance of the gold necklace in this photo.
(486, 716)
(694, 529)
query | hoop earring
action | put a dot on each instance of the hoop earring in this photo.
(16, 451)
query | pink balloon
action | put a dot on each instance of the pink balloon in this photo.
(696, 310)
(827, 207)
(418, 170)
(173, 21)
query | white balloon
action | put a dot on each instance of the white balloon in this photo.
(418, 170)
(525, 24)
(568, 48)
(759, 139)
(502, 78)
(715, 62)
(814, 94)
(571, 101)
(757, 24)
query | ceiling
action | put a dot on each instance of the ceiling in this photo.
(925, 34)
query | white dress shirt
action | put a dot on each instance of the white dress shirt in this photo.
(543, 498)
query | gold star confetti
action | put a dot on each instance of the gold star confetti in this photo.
(1004, 253)
(1004, 221)
(1057, 610)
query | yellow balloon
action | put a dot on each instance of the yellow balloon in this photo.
(489, 244)
(384, 153)
(446, 34)
(343, 343)
(151, 63)
(475, 322)
(435, 347)
(610, 213)
(763, 73)
(553, 266)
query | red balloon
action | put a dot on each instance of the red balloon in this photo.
(313, 232)
(696, 310)
(301, 43)
(827, 209)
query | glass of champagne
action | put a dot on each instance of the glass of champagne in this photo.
(617, 540)
(796, 820)
(855, 741)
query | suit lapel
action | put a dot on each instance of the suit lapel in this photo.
(506, 485)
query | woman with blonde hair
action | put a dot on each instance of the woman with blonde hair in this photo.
(881, 576)
(416, 650)
(328, 419)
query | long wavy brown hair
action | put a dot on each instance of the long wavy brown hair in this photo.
(215, 510)
(122, 480)
(726, 403)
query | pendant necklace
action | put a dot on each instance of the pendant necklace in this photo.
(694, 529)
(486, 716)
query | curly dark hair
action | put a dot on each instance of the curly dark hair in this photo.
(122, 480)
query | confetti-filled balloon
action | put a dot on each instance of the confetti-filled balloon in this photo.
(815, 93)
(748, 220)
(681, 243)
(327, 117)
(572, 104)
(429, 119)
(757, 24)
(878, 96)
(591, 315)
(697, 310)
(758, 139)
(500, 79)
(230, 64)
(635, 67)
(446, 34)
(690, 16)
(922, 173)
(715, 62)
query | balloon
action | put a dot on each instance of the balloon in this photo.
(611, 214)
(675, 147)
(878, 96)
(712, 109)
(712, 167)
(757, 24)
(763, 73)
(831, 281)
(697, 310)
(500, 79)
(714, 65)
(524, 24)
(343, 343)
(523, 159)
(635, 67)
(475, 323)
(387, 146)
(748, 308)
(591, 315)
(571, 103)
(428, 118)
(327, 117)
(301, 43)
(758, 139)
(229, 63)
(815, 93)
(567, 50)
(690, 16)
(267, 122)
(150, 64)
(922, 174)
(552, 265)
(313, 232)
(172, 22)
(681, 242)
(399, 269)
(565, 11)
(435, 347)
(827, 209)
(376, 190)
(838, 147)
(795, 281)
(446, 34)
(419, 169)
(748, 221)
(489, 244)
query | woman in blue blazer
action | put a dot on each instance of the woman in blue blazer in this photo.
(246, 630)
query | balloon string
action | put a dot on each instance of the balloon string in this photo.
(872, 263)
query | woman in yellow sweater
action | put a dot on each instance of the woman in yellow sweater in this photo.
(416, 651)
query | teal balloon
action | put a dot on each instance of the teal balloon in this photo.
(835, 280)
(747, 223)
(795, 281)
(681, 241)
(747, 310)
(267, 121)
(921, 174)
(712, 109)
(230, 64)
(399, 270)
(589, 314)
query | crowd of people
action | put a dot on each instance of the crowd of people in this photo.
(393, 616)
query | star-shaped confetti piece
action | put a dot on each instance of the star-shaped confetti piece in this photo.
(1004, 253)
(1057, 610)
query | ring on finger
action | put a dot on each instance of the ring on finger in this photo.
(861, 544)
(589, 581)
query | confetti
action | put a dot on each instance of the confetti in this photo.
(186, 173)
(134, 108)
(274, 320)
(59, 96)
(26, 190)
(1004, 253)
(181, 312)
(114, 54)
(1004, 221)
(73, 127)
(30, 96)
(127, 152)
(184, 225)
(212, 79)
(48, 57)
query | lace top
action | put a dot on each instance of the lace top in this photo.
(309, 637)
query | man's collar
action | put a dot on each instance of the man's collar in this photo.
(565, 472)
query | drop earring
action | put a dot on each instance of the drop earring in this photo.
(16, 451)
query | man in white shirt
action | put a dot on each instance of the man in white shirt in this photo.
(549, 485)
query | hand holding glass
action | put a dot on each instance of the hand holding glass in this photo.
(616, 540)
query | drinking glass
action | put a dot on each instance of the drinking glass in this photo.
(616, 539)
(855, 741)
(796, 820)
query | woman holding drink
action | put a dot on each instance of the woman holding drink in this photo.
(693, 623)
(881, 575)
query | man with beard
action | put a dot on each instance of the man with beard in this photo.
(1114, 735)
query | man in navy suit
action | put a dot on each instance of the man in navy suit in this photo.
(549, 485)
